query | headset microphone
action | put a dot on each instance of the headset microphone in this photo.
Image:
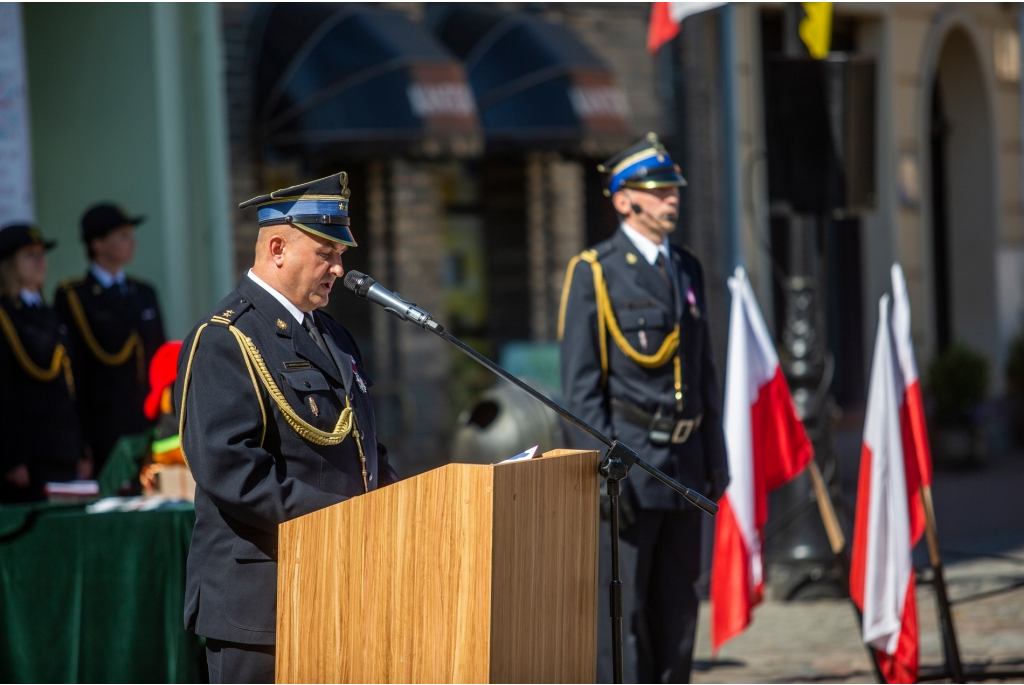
(636, 208)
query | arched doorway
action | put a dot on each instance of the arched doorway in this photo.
(963, 200)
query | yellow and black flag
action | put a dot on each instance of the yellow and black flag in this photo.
(816, 28)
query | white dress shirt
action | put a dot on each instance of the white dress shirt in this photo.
(647, 247)
(295, 311)
(106, 278)
(31, 297)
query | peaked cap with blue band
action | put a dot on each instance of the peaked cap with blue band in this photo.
(644, 165)
(319, 207)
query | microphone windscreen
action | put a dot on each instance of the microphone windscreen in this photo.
(358, 282)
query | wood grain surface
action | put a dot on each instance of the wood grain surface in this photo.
(544, 587)
(403, 584)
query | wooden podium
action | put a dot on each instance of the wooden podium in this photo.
(467, 573)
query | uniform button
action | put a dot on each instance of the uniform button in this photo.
(307, 384)
(371, 476)
(642, 321)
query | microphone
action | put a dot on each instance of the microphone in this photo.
(636, 208)
(364, 286)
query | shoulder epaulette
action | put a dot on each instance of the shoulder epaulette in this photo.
(228, 316)
(603, 249)
(71, 283)
(685, 249)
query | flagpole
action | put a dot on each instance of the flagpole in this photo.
(837, 541)
(956, 671)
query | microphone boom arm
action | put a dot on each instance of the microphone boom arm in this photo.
(614, 466)
(617, 449)
(364, 286)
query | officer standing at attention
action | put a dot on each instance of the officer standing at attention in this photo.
(115, 327)
(39, 438)
(275, 422)
(636, 364)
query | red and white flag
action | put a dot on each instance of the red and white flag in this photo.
(766, 445)
(912, 421)
(881, 569)
(666, 18)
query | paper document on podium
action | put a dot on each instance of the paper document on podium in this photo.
(528, 454)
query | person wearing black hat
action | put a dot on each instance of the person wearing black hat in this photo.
(115, 325)
(41, 442)
(636, 363)
(275, 422)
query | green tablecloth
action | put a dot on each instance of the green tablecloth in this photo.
(95, 597)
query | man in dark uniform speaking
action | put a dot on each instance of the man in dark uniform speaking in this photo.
(275, 422)
(636, 364)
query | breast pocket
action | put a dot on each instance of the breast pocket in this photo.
(644, 328)
(314, 394)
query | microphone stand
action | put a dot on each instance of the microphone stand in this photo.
(614, 467)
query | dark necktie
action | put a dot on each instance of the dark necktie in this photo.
(314, 332)
(662, 267)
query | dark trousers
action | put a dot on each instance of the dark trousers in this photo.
(660, 560)
(233, 662)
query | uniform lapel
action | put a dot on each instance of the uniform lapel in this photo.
(302, 344)
(304, 347)
(681, 280)
(647, 276)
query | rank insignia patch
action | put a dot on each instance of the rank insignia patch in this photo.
(282, 325)
(312, 406)
(631, 258)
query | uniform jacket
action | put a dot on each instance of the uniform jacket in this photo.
(646, 311)
(38, 420)
(111, 397)
(252, 469)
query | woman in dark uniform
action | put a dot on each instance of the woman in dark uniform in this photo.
(38, 421)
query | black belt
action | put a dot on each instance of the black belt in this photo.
(661, 430)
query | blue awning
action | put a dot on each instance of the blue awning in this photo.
(533, 80)
(330, 75)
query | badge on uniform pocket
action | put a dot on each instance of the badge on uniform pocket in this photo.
(359, 379)
(312, 406)
(691, 299)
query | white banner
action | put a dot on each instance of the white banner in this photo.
(16, 200)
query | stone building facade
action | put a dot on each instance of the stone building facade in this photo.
(480, 236)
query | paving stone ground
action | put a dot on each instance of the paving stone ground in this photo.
(981, 529)
(819, 641)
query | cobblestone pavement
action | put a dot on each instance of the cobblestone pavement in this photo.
(819, 641)
(981, 530)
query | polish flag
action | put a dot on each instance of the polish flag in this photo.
(666, 18)
(766, 445)
(888, 508)
(912, 422)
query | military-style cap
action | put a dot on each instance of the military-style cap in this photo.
(16, 236)
(643, 165)
(319, 207)
(102, 218)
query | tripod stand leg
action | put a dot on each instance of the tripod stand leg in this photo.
(615, 586)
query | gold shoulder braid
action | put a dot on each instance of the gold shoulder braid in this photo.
(132, 344)
(606, 323)
(59, 362)
(257, 367)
